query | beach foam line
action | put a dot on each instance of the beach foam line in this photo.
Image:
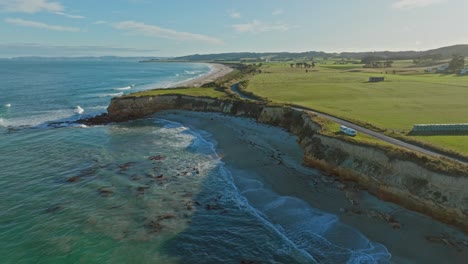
(316, 233)
(193, 72)
(124, 88)
(110, 95)
(320, 234)
(201, 141)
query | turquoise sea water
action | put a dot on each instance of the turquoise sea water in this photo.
(147, 191)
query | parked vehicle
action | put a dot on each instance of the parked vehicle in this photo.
(348, 131)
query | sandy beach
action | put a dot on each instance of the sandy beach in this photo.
(217, 71)
(263, 154)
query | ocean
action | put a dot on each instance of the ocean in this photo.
(146, 191)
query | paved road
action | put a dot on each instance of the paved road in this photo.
(363, 130)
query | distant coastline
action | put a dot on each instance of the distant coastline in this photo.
(217, 71)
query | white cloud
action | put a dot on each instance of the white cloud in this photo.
(34, 24)
(410, 4)
(277, 12)
(235, 14)
(257, 26)
(155, 31)
(100, 22)
(30, 6)
(35, 6)
(69, 15)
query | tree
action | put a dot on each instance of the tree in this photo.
(388, 63)
(370, 59)
(457, 63)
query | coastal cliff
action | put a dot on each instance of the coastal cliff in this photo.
(403, 177)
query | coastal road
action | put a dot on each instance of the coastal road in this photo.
(361, 129)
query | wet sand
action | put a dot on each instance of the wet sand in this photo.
(272, 156)
(217, 71)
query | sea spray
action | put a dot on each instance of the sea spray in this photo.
(79, 110)
(123, 88)
(110, 95)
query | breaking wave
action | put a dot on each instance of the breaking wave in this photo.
(110, 95)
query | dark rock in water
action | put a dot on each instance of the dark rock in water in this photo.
(117, 206)
(157, 157)
(214, 207)
(166, 216)
(126, 166)
(188, 204)
(59, 124)
(53, 209)
(105, 192)
(74, 179)
(154, 226)
(101, 119)
(142, 189)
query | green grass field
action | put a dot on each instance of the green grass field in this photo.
(198, 91)
(404, 99)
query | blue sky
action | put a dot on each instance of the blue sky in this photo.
(181, 27)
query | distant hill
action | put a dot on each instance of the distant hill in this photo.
(278, 56)
(447, 52)
(444, 52)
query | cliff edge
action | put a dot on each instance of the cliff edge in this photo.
(404, 177)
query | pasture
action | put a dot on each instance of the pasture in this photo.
(407, 97)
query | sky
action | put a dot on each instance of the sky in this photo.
(182, 27)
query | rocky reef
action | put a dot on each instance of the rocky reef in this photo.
(402, 176)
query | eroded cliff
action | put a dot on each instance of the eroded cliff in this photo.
(403, 177)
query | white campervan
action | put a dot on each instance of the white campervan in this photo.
(348, 131)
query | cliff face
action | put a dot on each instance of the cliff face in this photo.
(390, 177)
(127, 108)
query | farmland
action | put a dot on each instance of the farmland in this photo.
(407, 97)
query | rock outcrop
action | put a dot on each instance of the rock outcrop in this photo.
(407, 179)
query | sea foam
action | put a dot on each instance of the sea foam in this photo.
(79, 110)
(110, 95)
(124, 88)
(318, 233)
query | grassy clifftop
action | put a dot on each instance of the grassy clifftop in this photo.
(196, 91)
(406, 98)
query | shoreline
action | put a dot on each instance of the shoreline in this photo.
(217, 71)
(277, 165)
(403, 180)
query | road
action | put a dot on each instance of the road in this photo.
(363, 130)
